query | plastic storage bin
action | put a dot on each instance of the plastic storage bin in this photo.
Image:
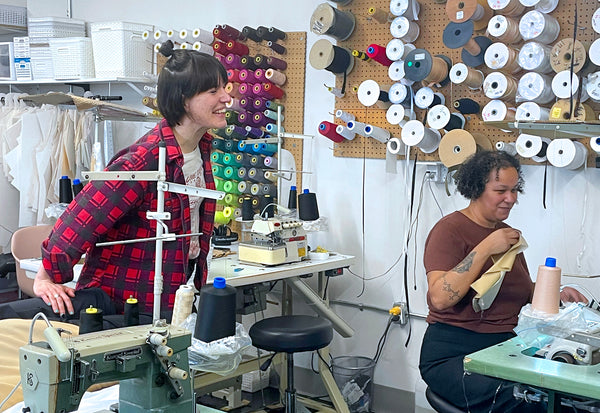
(72, 58)
(41, 61)
(42, 29)
(15, 16)
(120, 50)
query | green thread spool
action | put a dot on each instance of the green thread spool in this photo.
(220, 218)
(230, 159)
(219, 132)
(219, 144)
(272, 114)
(219, 183)
(217, 157)
(232, 118)
(231, 172)
(232, 199)
(231, 132)
(218, 171)
(231, 187)
(274, 105)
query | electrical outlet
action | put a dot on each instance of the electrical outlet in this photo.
(436, 172)
(403, 313)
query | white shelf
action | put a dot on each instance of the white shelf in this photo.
(76, 81)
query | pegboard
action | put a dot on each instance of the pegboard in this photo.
(432, 21)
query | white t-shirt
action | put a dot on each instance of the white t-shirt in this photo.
(194, 176)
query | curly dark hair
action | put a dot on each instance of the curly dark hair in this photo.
(184, 75)
(474, 173)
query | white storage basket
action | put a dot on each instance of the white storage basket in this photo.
(120, 50)
(15, 16)
(42, 29)
(72, 58)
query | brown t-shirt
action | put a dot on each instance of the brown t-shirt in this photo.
(448, 243)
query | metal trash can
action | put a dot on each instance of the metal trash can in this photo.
(354, 377)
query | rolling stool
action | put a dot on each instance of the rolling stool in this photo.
(440, 404)
(291, 334)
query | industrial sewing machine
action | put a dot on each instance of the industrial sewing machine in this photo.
(151, 363)
(274, 241)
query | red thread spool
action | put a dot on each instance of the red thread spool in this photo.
(278, 64)
(220, 47)
(221, 34)
(377, 53)
(327, 129)
(247, 76)
(231, 31)
(260, 75)
(233, 75)
(272, 90)
(237, 47)
(232, 61)
(258, 90)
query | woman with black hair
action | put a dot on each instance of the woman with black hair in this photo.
(192, 99)
(458, 251)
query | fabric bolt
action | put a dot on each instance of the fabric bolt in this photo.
(116, 210)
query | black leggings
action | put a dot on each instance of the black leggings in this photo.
(95, 297)
(441, 366)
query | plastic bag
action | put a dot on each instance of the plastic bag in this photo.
(54, 211)
(221, 356)
(538, 329)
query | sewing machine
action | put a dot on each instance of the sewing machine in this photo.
(274, 241)
(151, 363)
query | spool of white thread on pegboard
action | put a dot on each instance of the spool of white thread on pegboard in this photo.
(203, 47)
(498, 85)
(184, 300)
(596, 21)
(395, 146)
(399, 93)
(375, 132)
(407, 8)
(426, 98)
(505, 29)
(396, 49)
(544, 6)
(532, 146)
(404, 29)
(508, 147)
(371, 93)
(595, 144)
(414, 133)
(345, 132)
(460, 73)
(594, 52)
(396, 115)
(499, 56)
(541, 27)
(535, 57)
(531, 111)
(535, 87)
(344, 116)
(566, 153)
(566, 84)
(356, 127)
(593, 86)
(397, 74)
(497, 110)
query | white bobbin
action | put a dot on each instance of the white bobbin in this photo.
(497, 57)
(345, 132)
(438, 116)
(404, 29)
(356, 127)
(369, 92)
(535, 57)
(566, 153)
(496, 110)
(398, 93)
(593, 86)
(543, 6)
(396, 73)
(596, 21)
(203, 47)
(565, 85)
(425, 97)
(538, 26)
(508, 147)
(498, 26)
(407, 8)
(459, 73)
(344, 116)
(395, 146)
(394, 50)
(530, 111)
(532, 146)
(595, 143)
(414, 133)
(536, 87)
(395, 115)
(496, 86)
(594, 52)
(375, 132)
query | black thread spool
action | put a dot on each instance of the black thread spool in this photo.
(247, 210)
(293, 198)
(325, 55)
(276, 47)
(332, 21)
(307, 206)
(251, 33)
(263, 32)
(247, 62)
(131, 312)
(90, 320)
(77, 186)
(216, 311)
(229, 145)
(246, 159)
(421, 65)
(467, 106)
(277, 34)
(267, 206)
(65, 190)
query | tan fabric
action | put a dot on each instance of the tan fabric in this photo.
(15, 333)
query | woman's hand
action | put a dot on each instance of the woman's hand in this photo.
(56, 295)
(501, 240)
(572, 295)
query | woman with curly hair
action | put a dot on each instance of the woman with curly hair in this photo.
(458, 251)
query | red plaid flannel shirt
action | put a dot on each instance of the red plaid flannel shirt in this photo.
(116, 210)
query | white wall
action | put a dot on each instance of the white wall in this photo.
(566, 229)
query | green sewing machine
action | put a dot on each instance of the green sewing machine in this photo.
(150, 362)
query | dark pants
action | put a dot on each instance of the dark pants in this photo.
(441, 365)
(94, 297)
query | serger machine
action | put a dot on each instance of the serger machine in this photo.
(150, 361)
(274, 241)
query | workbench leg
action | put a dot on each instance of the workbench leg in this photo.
(553, 402)
(332, 389)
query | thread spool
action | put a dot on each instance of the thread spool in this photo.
(421, 65)
(564, 110)
(541, 27)
(216, 311)
(308, 210)
(594, 52)
(65, 190)
(344, 116)
(271, 114)
(498, 85)
(593, 86)
(395, 146)
(508, 147)
(90, 320)
(267, 149)
(532, 146)
(333, 22)
(182, 308)
(458, 35)
(345, 132)
(230, 172)
(377, 133)
(499, 56)
(204, 48)
(546, 297)
(544, 6)
(244, 187)
(360, 55)
(356, 127)
(496, 110)
(563, 52)
(531, 111)
(276, 34)
(379, 15)
(273, 129)
(397, 50)
(596, 21)
(460, 73)
(566, 153)
(231, 187)
(201, 35)
(241, 174)
(370, 93)
(439, 117)
(566, 84)
(407, 8)
(505, 29)
(455, 147)
(276, 63)
(466, 106)
(395, 115)
(399, 93)
(595, 144)
(270, 162)
(275, 76)
(535, 57)
(479, 12)
(510, 8)
(216, 157)
(324, 55)
(276, 47)
(378, 54)
(404, 29)
(535, 87)
(231, 160)
(426, 98)
(414, 133)
(77, 186)
(328, 129)
(396, 72)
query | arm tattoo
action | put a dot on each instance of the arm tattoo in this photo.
(453, 294)
(465, 265)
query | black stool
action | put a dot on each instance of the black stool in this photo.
(291, 334)
(440, 404)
